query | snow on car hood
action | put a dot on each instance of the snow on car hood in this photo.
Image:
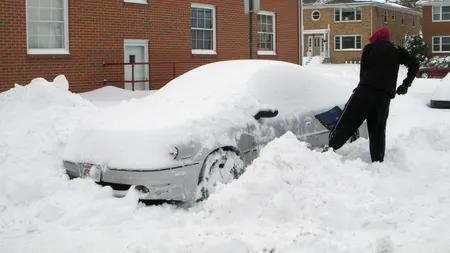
(202, 104)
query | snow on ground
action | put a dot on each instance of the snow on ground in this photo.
(291, 199)
(109, 96)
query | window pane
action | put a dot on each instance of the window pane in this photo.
(348, 42)
(436, 40)
(32, 28)
(436, 48)
(56, 29)
(337, 42)
(445, 43)
(436, 17)
(337, 16)
(358, 13)
(445, 9)
(33, 41)
(208, 23)
(348, 14)
(57, 3)
(358, 41)
(33, 14)
(436, 9)
(32, 3)
(45, 3)
(45, 14)
(44, 42)
(445, 16)
(57, 15)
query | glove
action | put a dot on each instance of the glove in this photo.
(403, 89)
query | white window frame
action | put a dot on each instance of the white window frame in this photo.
(274, 25)
(350, 49)
(386, 17)
(440, 44)
(47, 51)
(440, 13)
(207, 51)
(340, 14)
(136, 1)
(312, 15)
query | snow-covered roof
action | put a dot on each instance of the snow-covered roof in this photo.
(432, 2)
(385, 4)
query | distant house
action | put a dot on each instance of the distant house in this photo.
(338, 30)
(436, 26)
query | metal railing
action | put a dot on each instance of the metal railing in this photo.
(159, 79)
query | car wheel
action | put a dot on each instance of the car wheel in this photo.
(425, 74)
(221, 166)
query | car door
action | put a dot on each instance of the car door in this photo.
(441, 69)
(446, 70)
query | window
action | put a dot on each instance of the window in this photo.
(203, 27)
(385, 16)
(315, 15)
(266, 33)
(347, 42)
(393, 15)
(136, 1)
(441, 13)
(47, 27)
(443, 65)
(347, 14)
(403, 19)
(441, 44)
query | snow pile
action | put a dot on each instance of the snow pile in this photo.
(203, 105)
(35, 122)
(110, 96)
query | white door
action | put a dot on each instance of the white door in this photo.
(136, 51)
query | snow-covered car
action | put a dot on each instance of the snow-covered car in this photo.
(440, 98)
(439, 71)
(204, 128)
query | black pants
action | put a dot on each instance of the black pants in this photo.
(369, 104)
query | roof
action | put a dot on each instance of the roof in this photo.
(432, 2)
(324, 3)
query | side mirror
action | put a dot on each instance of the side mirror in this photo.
(266, 114)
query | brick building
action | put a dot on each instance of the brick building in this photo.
(80, 39)
(338, 30)
(436, 26)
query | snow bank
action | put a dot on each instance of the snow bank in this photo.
(203, 106)
(35, 122)
(291, 199)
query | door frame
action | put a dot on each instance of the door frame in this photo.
(133, 42)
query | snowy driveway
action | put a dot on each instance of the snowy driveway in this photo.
(290, 200)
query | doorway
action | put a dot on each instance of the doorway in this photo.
(136, 51)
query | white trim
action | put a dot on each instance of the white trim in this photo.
(316, 31)
(347, 21)
(274, 25)
(440, 14)
(136, 1)
(61, 51)
(132, 42)
(440, 44)
(212, 51)
(312, 15)
(348, 49)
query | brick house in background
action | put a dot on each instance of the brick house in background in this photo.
(338, 30)
(81, 38)
(436, 26)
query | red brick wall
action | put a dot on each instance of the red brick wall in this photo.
(431, 29)
(97, 32)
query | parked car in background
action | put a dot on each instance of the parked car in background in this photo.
(439, 71)
(204, 128)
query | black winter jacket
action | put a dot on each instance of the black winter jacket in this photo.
(380, 62)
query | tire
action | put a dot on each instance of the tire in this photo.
(425, 74)
(221, 166)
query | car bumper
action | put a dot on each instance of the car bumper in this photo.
(178, 183)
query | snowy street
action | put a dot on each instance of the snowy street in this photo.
(290, 200)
